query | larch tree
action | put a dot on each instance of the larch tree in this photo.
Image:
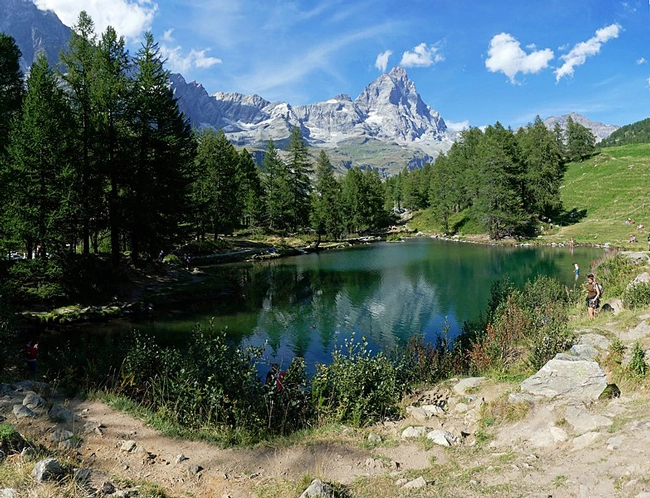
(216, 184)
(111, 96)
(251, 192)
(39, 161)
(299, 168)
(162, 151)
(79, 77)
(326, 211)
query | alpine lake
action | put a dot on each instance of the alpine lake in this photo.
(308, 305)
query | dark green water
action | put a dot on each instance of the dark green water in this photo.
(385, 292)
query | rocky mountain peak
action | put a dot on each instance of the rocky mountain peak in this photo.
(34, 30)
(600, 130)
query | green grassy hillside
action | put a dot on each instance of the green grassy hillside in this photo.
(604, 192)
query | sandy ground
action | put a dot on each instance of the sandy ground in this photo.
(609, 460)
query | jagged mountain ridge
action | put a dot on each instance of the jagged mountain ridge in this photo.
(34, 30)
(600, 130)
(388, 110)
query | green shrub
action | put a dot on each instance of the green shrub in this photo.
(357, 387)
(637, 296)
(550, 334)
(206, 383)
(637, 366)
(172, 260)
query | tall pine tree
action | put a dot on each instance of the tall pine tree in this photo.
(162, 151)
(39, 159)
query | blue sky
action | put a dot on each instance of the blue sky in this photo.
(474, 61)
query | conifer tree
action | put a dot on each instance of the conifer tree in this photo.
(299, 167)
(11, 96)
(250, 190)
(498, 205)
(79, 76)
(215, 187)
(544, 169)
(580, 142)
(11, 86)
(163, 147)
(111, 96)
(39, 159)
(277, 190)
(326, 212)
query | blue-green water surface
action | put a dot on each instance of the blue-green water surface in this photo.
(386, 292)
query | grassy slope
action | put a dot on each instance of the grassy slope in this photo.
(605, 190)
(608, 189)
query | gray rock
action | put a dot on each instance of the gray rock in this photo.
(613, 306)
(61, 435)
(195, 469)
(416, 483)
(59, 413)
(636, 257)
(129, 446)
(48, 470)
(21, 411)
(374, 438)
(108, 488)
(8, 493)
(414, 432)
(69, 444)
(598, 341)
(443, 438)
(585, 440)
(318, 489)
(584, 351)
(82, 475)
(33, 401)
(417, 413)
(181, 458)
(567, 377)
(639, 332)
(582, 421)
(463, 385)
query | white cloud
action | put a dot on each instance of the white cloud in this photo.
(178, 62)
(577, 56)
(167, 36)
(382, 60)
(463, 125)
(506, 55)
(648, 81)
(130, 18)
(642, 61)
(421, 56)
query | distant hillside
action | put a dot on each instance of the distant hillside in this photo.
(635, 133)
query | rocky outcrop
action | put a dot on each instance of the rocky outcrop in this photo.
(568, 376)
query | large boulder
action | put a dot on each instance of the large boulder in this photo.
(567, 376)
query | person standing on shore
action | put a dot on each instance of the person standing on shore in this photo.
(593, 296)
(31, 358)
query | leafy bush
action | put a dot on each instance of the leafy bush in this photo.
(497, 348)
(207, 383)
(421, 362)
(172, 259)
(36, 281)
(637, 296)
(287, 402)
(637, 365)
(550, 336)
(357, 387)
